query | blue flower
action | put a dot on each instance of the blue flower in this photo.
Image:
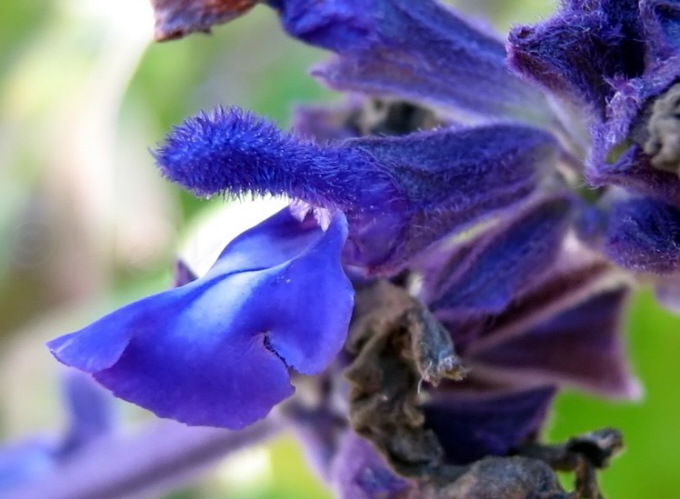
(561, 327)
(416, 50)
(503, 263)
(400, 194)
(482, 232)
(619, 60)
(217, 350)
(644, 235)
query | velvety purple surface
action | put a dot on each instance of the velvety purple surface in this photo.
(399, 194)
(412, 50)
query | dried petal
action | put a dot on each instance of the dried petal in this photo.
(178, 18)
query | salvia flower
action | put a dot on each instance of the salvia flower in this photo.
(562, 329)
(619, 60)
(399, 194)
(439, 230)
(234, 328)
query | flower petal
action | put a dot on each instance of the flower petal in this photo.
(644, 235)
(506, 262)
(577, 52)
(359, 472)
(182, 274)
(582, 346)
(89, 409)
(400, 194)
(216, 351)
(25, 461)
(661, 20)
(471, 426)
(403, 48)
(634, 171)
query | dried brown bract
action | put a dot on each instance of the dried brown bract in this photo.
(504, 478)
(178, 18)
(398, 345)
(584, 455)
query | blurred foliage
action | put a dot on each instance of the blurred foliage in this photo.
(87, 224)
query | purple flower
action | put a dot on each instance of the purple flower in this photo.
(504, 262)
(404, 48)
(535, 330)
(217, 351)
(358, 471)
(562, 329)
(620, 60)
(581, 50)
(644, 235)
(469, 245)
(400, 194)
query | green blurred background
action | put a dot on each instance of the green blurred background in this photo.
(87, 224)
